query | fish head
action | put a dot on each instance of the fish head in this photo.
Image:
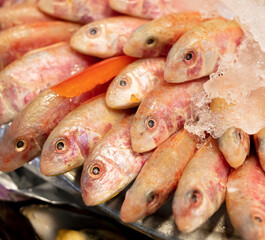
(148, 130)
(95, 39)
(18, 147)
(101, 180)
(140, 201)
(146, 41)
(190, 59)
(124, 91)
(65, 149)
(190, 206)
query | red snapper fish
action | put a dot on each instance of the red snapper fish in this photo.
(20, 14)
(159, 176)
(235, 146)
(23, 79)
(134, 82)
(198, 51)
(156, 37)
(202, 187)
(245, 199)
(73, 139)
(161, 113)
(16, 41)
(111, 166)
(82, 11)
(26, 135)
(105, 38)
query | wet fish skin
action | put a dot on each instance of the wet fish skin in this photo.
(19, 14)
(82, 11)
(202, 187)
(159, 176)
(111, 166)
(197, 52)
(26, 135)
(156, 37)
(76, 135)
(259, 145)
(235, 146)
(135, 82)
(16, 41)
(24, 78)
(105, 38)
(245, 199)
(162, 112)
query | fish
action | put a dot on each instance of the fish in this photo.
(162, 112)
(20, 14)
(16, 41)
(152, 9)
(258, 139)
(82, 11)
(133, 83)
(235, 146)
(111, 165)
(159, 176)
(155, 38)
(23, 79)
(73, 139)
(24, 139)
(198, 51)
(245, 199)
(202, 187)
(105, 38)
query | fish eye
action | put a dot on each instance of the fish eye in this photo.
(189, 57)
(123, 82)
(257, 219)
(152, 197)
(195, 197)
(93, 31)
(150, 41)
(96, 170)
(20, 145)
(238, 133)
(151, 123)
(60, 145)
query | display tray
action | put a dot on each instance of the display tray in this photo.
(66, 189)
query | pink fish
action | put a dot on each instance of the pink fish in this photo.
(155, 38)
(197, 52)
(105, 38)
(25, 137)
(111, 166)
(83, 11)
(20, 14)
(245, 199)
(162, 112)
(159, 176)
(158, 8)
(134, 82)
(202, 187)
(73, 139)
(24, 78)
(235, 146)
(16, 41)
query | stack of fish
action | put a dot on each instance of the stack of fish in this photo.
(136, 129)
